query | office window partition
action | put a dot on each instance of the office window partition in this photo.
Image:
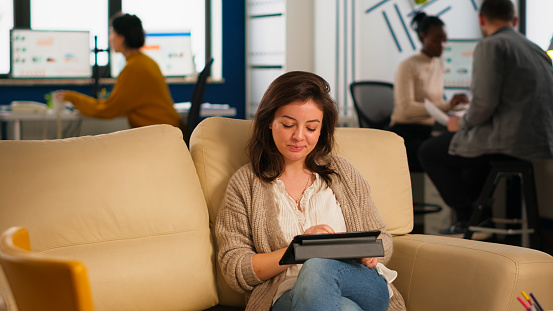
(85, 15)
(6, 23)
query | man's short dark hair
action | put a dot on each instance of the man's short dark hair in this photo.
(498, 10)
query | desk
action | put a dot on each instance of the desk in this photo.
(207, 110)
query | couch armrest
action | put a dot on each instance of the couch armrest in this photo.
(444, 273)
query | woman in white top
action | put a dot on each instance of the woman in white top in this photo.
(293, 186)
(420, 78)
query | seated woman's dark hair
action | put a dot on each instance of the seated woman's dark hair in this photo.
(130, 27)
(291, 87)
(422, 22)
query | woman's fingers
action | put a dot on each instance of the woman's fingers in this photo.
(319, 229)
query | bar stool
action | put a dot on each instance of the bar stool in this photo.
(529, 222)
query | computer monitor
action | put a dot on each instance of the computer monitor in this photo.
(457, 58)
(172, 51)
(49, 54)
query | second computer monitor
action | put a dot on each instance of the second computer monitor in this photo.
(172, 51)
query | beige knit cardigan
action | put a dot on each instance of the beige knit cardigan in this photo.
(247, 224)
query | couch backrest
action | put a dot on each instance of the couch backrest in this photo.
(217, 147)
(127, 204)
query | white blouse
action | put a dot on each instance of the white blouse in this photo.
(318, 206)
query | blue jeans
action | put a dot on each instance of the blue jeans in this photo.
(327, 284)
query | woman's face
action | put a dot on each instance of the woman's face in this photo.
(116, 41)
(433, 41)
(296, 128)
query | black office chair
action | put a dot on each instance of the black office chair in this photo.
(196, 102)
(374, 104)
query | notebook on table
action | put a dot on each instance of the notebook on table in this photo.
(346, 245)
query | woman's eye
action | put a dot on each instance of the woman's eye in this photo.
(311, 130)
(287, 125)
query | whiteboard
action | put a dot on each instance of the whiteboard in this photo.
(49, 54)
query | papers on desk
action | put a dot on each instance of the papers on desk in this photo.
(186, 106)
(435, 112)
(25, 106)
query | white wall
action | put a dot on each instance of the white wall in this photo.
(325, 44)
(279, 38)
(539, 24)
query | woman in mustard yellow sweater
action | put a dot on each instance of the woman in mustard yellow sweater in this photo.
(140, 93)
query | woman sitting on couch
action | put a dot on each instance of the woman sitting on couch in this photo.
(293, 186)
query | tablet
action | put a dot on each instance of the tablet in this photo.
(346, 245)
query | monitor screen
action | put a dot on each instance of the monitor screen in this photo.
(457, 58)
(171, 50)
(49, 54)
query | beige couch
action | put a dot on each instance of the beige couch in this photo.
(136, 207)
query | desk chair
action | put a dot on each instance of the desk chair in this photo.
(529, 223)
(196, 102)
(39, 282)
(374, 104)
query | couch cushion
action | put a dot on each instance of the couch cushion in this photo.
(375, 154)
(127, 204)
(218, 145)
